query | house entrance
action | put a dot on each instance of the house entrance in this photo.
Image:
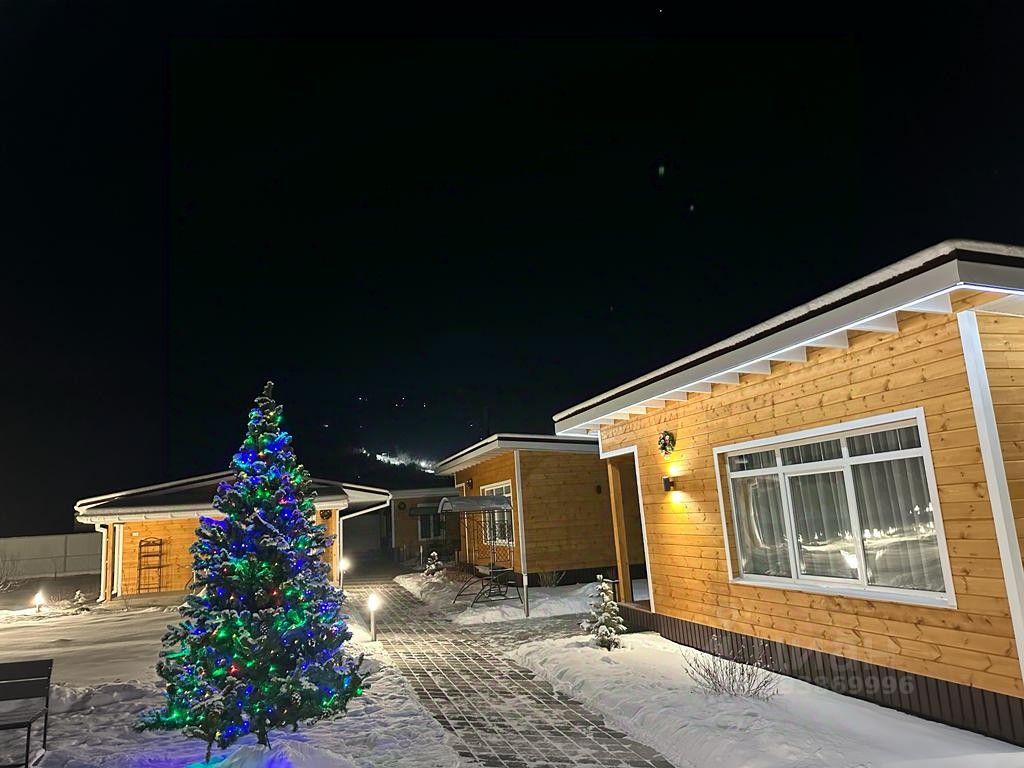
(627, 527)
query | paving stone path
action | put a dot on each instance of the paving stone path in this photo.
(500, 714)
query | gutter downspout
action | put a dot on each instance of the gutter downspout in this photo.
(522, 534)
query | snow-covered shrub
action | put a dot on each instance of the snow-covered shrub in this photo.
(434, 565)
(605, 623)
(550, 578)
(80, 602)
(744, 675)
(9, 572)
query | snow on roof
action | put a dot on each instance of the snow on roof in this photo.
(193, 496)
(502, 442)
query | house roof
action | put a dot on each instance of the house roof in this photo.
(436, 492)
(465, 504)
(921, 282)
(193, 496)
(505, 442)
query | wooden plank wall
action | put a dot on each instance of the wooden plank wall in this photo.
(177, 536)
(1002, 342)
(923, 366)
(406, 527)
(567, 511)
(494, 470)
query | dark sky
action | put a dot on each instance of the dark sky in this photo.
(458, 218)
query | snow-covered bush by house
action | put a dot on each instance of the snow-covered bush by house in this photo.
(745, 674)
(434, 565)
(605, 623)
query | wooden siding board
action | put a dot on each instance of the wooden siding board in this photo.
(922, 366)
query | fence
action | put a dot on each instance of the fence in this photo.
(67, 554)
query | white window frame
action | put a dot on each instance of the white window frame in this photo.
(434, 517)
(511, 531)
(826, 584)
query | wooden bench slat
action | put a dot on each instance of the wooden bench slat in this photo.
(24, 689)
(21, 718)
(26, 670)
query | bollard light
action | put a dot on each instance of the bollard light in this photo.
(343, 565)
(39, 598)
(373, 603)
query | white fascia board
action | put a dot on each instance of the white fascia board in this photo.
(83, 504)
(577, 442)
(932, 282)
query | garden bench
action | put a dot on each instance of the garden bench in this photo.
(28, 683)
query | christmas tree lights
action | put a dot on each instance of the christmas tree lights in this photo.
(261, 646)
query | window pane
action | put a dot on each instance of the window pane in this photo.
(900, 542)
(824, 533)
(802, 454)
(888, 440)
(760, 527)
(746, 461)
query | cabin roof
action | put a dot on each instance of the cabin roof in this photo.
(435, 492)
(193, 496)
(921, 282)
(498, 444)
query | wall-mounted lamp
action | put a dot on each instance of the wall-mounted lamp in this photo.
(669, 483)
(469, 483)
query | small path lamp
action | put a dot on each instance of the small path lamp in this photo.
(38, 600)
(373, 603)
(343, 566)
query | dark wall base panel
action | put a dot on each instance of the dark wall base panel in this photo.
(974, 709)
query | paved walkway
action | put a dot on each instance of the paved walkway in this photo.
(500, 715)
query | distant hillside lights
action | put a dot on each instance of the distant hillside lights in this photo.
(403, 460)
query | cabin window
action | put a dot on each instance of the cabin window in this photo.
(431, 527)
(498, 525)
(852, 510)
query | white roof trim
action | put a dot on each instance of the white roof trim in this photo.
(91, 510)
(502, 443)
(423, 493)
(882, 293)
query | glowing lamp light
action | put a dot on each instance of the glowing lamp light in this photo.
(38, 600)
(675, 469)
(373, 603)
(344, 564)
(677, 497)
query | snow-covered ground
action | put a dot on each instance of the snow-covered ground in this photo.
(438, 590)
(643, 690)
(104, 677)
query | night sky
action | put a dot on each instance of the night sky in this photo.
(428, 227)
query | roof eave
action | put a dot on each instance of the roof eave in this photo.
(943, 277)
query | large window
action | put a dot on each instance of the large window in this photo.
(498, 525)
(431, 527)
(847, 511)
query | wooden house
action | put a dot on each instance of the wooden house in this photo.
(842, 488)
(147, 531)
(412, 536)
(559, 521)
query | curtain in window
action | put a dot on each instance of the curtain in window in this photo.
(761, 528)
(900, 542)
(824, 534)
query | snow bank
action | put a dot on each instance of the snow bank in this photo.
(285, 754)
(438, 590)
(104, 678)
(642, 690)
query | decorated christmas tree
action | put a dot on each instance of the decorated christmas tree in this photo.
(261, 644)
(605, 623)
